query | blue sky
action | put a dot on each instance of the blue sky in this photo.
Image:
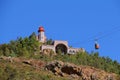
(77, 21)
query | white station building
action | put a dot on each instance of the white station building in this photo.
(57, 44)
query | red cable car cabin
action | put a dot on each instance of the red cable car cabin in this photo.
(97, 46)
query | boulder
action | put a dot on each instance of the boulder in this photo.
(79, 72)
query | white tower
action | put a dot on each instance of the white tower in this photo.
(41, 35)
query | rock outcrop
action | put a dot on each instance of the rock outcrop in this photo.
(79, 72)
(37, 64)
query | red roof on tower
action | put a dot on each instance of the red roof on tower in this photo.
(41, 29)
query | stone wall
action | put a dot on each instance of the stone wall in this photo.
(74, 50)
(48, 47)
(60, 42)
(65, 43)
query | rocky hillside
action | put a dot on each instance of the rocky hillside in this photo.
(22, 59)
(79, 72)
(33, 69)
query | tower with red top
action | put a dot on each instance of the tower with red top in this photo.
(41, 34)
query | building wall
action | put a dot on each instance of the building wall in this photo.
(48, 47)
(69, 50)
(65, 43)
(75, 50)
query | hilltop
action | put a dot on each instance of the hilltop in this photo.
(22, 59)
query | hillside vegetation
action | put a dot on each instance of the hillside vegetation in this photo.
(28, 48)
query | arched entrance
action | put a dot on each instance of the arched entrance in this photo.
(61, 48)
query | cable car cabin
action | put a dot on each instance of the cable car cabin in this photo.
(97, 46)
